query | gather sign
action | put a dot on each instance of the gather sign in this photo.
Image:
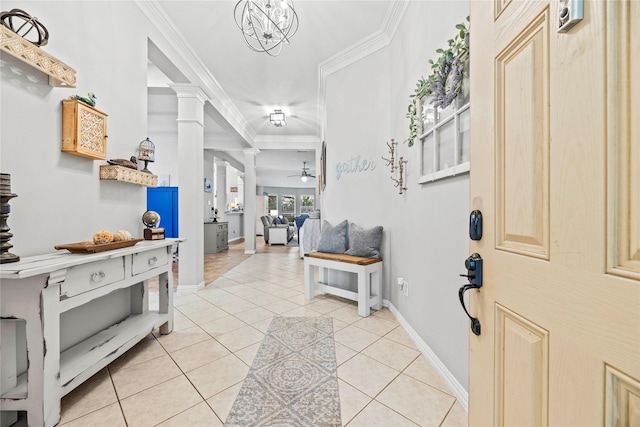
(356, 164)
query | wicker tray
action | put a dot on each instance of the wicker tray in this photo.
(91, 248)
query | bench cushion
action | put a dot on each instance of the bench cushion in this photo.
(350, 259)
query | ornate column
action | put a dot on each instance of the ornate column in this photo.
(250, 200)
(191, 101)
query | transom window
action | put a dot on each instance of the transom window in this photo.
(443, 140)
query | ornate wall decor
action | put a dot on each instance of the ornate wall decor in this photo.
(396, 167)
(444, 83)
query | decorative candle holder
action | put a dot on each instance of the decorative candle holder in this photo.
(5, 209)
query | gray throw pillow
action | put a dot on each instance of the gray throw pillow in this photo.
(333, 239)
(364, 242)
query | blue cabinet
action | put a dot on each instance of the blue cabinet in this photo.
(164, 200)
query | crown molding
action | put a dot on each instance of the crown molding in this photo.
(365, 47)
(214, 92)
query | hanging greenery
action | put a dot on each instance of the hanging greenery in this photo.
(444, 83)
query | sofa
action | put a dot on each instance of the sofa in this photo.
(277, 230)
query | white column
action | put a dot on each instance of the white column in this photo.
(191, 101)
(250, 200)
(221, 188)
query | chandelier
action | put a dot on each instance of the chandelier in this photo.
(266, 24)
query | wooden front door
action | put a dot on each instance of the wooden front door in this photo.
(555, 170)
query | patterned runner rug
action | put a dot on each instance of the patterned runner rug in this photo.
(293, 381)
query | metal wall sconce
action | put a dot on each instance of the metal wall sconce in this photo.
(393, 148)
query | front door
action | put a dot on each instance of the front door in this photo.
(555, 170)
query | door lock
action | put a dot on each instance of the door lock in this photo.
(473, 265)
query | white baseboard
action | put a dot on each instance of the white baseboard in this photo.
(456, 388)
(249, 252)
(188, 289)
(234, 239)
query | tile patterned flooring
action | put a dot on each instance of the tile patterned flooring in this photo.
(192, 376)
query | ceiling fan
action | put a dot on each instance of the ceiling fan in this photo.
(304, 175)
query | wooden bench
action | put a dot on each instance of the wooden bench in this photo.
(369, 271)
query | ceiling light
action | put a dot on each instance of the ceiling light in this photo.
(266, 24)
(277, 118)
(304, 178)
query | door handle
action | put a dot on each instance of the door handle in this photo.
(474, 274)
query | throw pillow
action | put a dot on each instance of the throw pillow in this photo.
(364, 242)
(333, 239)
(278, 220)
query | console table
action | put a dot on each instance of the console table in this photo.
(66, 316)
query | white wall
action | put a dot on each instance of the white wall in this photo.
(60, 197)
(426, 238)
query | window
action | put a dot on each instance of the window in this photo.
(288, 206)
(272, 203)
(443, 148)
(307, 203)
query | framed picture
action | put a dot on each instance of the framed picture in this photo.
(164, 180)
(208, 186)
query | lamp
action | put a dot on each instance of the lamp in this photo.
(277, 118)
(266, 24)
(146, 153)
(304, 178)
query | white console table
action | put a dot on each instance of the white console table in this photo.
(66, 316)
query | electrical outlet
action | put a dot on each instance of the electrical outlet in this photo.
(405, 288)
(400, 284)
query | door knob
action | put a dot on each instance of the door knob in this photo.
(474, 275)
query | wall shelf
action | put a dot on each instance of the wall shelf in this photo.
(60, 74)
(120, 173)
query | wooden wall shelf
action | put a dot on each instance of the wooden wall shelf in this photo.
(60, 74)
(120, 173)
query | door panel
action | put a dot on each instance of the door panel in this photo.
(624, 134)
(522, 369)
(522, 113)
(555, 170)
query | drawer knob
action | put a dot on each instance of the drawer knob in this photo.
(99, 276)
(153, 260)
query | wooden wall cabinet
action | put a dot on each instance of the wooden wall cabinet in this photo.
(84, 130)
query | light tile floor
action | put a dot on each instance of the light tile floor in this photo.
(192, 376)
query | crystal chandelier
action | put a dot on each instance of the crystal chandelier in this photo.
(266, 24)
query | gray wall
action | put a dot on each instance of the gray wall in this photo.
(426, 228)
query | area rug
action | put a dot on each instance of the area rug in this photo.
(293, 381)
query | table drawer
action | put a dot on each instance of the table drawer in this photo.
(148, 260)
(83, 278)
